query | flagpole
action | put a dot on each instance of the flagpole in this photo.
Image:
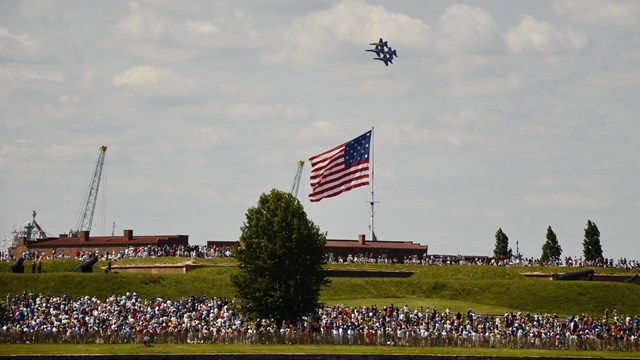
(372, 235)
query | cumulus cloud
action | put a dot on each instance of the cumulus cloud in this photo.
(348, 23)
(270, 111)
(617, 14)
(14, 46)
(323, 126)
(153, 34)
(38, 47)
(409, 133)
(486, 86)
(8, 39)
(154, 80)
(69, 99)
(311, 131)
(255, 90)
(201, 27)
(142, 76)
(464, 28)
(143, 24)
(209, 135)
(537, 36)
(28, 74)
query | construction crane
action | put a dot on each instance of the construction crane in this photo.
(41, 233)
(29, 232)
(296, 179)
(86, 218)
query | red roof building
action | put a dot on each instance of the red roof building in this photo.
(374, 249)
(334, 249)
(68, 245)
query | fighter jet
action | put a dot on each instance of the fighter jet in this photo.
(390, 52)
(380, 45)
(378, 52)
(384, 52)
(386, 59)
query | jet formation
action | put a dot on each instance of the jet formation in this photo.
(383, 51)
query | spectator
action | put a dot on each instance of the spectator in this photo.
(129, 319)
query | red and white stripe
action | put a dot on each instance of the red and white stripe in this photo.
(330, 177)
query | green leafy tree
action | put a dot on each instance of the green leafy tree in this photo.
(280, 257)
(551, 249)
(502, 250)
(592, 249)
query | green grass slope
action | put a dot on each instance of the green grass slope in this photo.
(487, 290)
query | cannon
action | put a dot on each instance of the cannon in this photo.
(18, 267)
(586, 275)
(87, 265)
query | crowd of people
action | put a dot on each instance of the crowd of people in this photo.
(192, 251)
(127, 318)
(5, 255)
(148, 251)
(214, 251)
(441, 260)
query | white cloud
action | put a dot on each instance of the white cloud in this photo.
(28, 74)
(349, 23)
(69, 99)
(617, 14)
(152, 80)
(486, 86)
(12, 45)
(61, 151)
(201, 27)
(37, 46)
(613, 84)
(209, 135)
(403, 134)
(465, 28)
(155, 35)
(537, 36)
(270, 111)
(157, 51)
(142, 24)
(89, 76)
(142, 76)
(255, 90)
(323, 126)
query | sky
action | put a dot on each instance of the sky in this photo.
(517, 115)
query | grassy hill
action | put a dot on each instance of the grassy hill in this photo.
(487, 290)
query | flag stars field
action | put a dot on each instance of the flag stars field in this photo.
(341, 168)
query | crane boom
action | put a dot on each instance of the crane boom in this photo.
(31, 235)
(296, 179)
(41, 233)
(85, 220)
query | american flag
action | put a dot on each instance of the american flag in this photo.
(340, 169)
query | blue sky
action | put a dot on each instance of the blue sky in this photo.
(519, 115)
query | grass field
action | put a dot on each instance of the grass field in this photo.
(122, 349)
(486, 290)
